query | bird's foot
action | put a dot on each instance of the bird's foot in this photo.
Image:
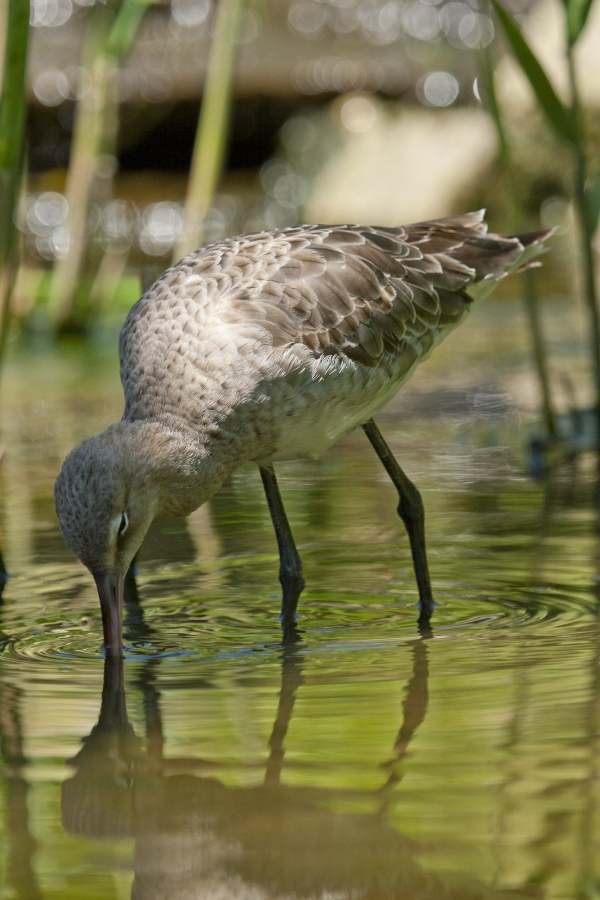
(426, 608)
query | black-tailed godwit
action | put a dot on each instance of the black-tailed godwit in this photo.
(270, 347)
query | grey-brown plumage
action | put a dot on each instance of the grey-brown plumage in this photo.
(265, 347)
(359, 293)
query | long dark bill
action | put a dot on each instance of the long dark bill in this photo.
(110, 592)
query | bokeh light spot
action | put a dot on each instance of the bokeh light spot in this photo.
(358, 114)
(438, 89)
(307, 17)
(190, 13)
(50, 13)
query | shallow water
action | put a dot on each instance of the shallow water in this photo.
(365, 762)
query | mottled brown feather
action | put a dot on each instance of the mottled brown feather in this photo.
(355, 291)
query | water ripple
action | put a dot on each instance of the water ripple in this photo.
(220, 627)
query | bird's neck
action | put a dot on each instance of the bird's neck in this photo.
(182, 465)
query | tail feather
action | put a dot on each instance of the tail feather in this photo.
(522, 255)
(534, 237)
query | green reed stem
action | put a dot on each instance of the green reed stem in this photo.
(83, 163)
(585, 233)
(124, 29)
(209, 147)
(538, 346)
(13, 107)
(530, 296)
(108, 39)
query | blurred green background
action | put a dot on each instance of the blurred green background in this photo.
(345, 111)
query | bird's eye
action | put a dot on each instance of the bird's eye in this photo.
(123, 524)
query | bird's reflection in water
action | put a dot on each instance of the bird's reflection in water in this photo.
(198, 838)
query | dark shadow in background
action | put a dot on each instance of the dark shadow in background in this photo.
(159, 137)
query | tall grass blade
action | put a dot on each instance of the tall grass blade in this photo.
(592, 195)
(581, 198)
(125, 27)
(109, 36)
(559, 116)
(486, 68)
(568, 123)
(209, 148)
(530, 296)
(577, 14)
(3, 30)
(83, 163)
(12, 125)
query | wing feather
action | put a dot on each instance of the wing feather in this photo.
(357, 291)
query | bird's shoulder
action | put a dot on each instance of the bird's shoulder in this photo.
(356, 290)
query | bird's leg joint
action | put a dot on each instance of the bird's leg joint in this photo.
(410, 506)
(291, 572)
(291, 576)
(292, 584)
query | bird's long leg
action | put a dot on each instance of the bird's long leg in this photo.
(412, 513)
(290, 568)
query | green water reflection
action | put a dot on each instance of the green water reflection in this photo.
(363, 762)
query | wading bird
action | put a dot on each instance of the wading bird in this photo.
(270, 347)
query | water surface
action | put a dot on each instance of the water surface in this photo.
(364, 762)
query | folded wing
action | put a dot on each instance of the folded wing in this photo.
(366, 291)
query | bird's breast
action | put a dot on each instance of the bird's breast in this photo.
(326, 405)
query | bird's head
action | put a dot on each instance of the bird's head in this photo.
(106, 499)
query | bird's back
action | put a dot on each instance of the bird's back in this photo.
(343, 313)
